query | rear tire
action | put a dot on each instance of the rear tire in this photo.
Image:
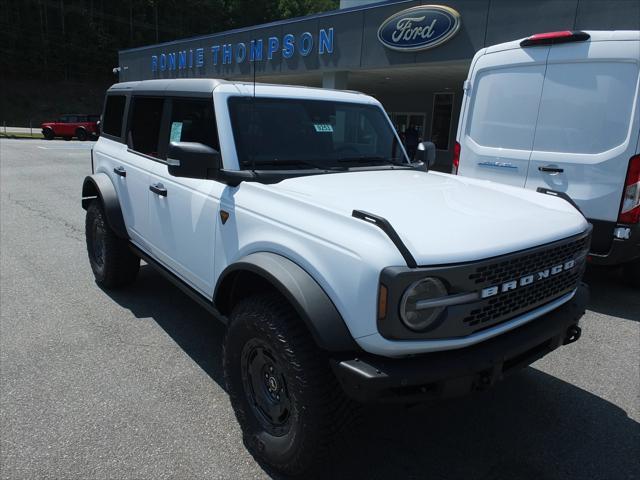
(631, 272)
(112, 261)
(82, 135)
(48, 134)
(286, 398)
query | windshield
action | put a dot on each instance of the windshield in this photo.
(277, 133)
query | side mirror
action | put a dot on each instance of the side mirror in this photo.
(192, 160)
(426, 153)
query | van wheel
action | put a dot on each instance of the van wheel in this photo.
(81, 133)
(631, 272)
(112, 262)
(288, 403)
(48, 134)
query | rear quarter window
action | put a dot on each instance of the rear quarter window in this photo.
(505, 107)
(113, 115)
(586, 107)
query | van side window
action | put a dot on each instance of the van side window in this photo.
(505, 108)
(113, 113)
(144, 129)
(193, 121)
(586, 107)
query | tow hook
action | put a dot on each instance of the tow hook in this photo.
(573, 334)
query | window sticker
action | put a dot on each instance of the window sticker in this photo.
(323, 127)
(176, 132)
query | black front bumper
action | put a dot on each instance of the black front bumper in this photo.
(453, 373)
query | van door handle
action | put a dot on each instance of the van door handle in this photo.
(120, 171)
(550, 169)
(158, 189)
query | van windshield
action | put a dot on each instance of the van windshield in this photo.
(277, 133)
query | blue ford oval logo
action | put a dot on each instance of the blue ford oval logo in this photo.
(419, 28)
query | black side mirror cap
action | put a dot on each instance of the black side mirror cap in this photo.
(426, 153)
(192, 160)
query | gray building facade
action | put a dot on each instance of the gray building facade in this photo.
(411, 55)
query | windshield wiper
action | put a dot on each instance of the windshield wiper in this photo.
(319, 166)
(371, 159)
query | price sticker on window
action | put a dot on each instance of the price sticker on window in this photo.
(176, 132)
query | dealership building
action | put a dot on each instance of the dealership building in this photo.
(412, 56)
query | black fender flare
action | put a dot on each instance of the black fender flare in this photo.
(300, 289)
(99, 186)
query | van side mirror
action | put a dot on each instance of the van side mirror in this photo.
(426, 153)
(193, 160)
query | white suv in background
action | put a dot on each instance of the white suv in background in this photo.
(560, 113)
(343, 272)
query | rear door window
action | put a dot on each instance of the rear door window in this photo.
(586, 107)
(504, 112)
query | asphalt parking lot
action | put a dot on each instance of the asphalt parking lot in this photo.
(98, 385)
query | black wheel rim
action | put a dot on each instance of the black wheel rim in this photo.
(97, 244)
(265, 387)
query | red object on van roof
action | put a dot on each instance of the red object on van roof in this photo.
(550, 38)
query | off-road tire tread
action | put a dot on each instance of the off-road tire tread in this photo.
(335, 415)
(121, 265)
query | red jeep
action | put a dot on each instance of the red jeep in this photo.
(72, 125)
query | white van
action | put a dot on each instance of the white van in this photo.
(559, 113)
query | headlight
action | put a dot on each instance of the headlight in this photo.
(414, 315)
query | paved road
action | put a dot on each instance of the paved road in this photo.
(98, 385)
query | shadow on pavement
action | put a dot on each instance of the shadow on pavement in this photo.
(189, 325)
(611, 295)
(532, 426)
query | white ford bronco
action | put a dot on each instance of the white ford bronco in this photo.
(343, 272)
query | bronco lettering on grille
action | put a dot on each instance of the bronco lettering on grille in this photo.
(527, 279)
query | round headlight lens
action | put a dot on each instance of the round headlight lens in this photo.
(426, 289)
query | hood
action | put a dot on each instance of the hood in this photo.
(444, 218)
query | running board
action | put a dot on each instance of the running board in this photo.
(186, 289)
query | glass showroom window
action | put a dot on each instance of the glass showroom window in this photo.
(441, 120)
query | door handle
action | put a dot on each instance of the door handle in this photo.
(551, 169)
(120, 171)
(158, 189)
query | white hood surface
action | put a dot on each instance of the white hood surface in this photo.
(444, 218)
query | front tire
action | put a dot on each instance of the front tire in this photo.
(112, 261)
(48, 134)
(287, 401)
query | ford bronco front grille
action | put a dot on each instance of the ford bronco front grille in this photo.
(499, 272)
(494, 310)
(508, 286)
